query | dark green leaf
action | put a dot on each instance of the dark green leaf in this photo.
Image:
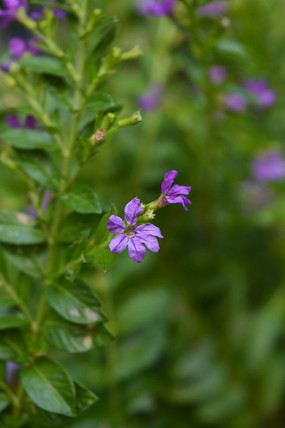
(29, 139)
(82, 199)
(84, 398)
(75, 226)
(19, 234)
(12, 347)
(12, 321)
(49, 386)
(4, 402)
(26, 262)
(75, 302)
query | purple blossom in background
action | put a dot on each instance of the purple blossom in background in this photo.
(236, 102)
(264, 96)
(132, 236)
(257, 194)
(270, 166)
(174, 194)
(11, 370)
(152, 99)
(215, 9)
(30, 122)
(17, 47)
(217, 74)
(156, 7)
(9, 13)
(32, 47)
(38, 12)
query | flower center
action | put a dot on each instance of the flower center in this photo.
(130, 232)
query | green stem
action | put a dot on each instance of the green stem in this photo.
(8, 391)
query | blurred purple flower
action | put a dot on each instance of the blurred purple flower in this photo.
(30, 122)
(152, 99)
(215, 9)
(217, 74)
(156, 7)
(264, 96)
(17, 47)
(257, 194)
(174, 194)
(236, 102)
(270, 166)
(11, 370)
(9, 13)
(38, 12)
(32, 47)
(132, 236)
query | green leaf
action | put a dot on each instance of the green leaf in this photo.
(75, 226)
(26, 262)
(102, 233)
(20, 235)
(12, 321)
(15, 217)
(82, 199)
(12, 347)
(75, 302)
(44, 64)
(232, 47)
(49, 386)
(84, 398)
(41, 169)
(99, 101)
(73, 338)
(4, 402)
(29, 139)
(104, 258)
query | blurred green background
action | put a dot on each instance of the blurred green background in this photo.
(200, 338)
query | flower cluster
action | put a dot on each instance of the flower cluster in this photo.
(17, 48)
(136, 232)
(8, 14)
(30, 122)
(156, 7)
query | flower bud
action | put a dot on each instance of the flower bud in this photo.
(133, 120)
(99, 135)
(132, 54)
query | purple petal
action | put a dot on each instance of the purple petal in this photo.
(215, 9)
(179, 200)
(116, 224)
(148, 229)
(118, 244)
(150, 241)
(168, 180)
(179, 190)
(13, 121)
(137, 251)
(132, 211)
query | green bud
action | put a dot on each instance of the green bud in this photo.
(132, 54)
(133, 120)
(25, 20)
(99, 136)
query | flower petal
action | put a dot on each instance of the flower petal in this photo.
(132, 211)
(148, 229)
(118, 244)
(168, 180)
(179, 190)
(179, 200)
(116, 224)
(150, 241)
(136, 250)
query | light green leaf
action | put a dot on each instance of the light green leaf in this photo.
(75, 302)
(29, 139)
(82, 199)
(20, 235)
(44, 64)
(49, 386)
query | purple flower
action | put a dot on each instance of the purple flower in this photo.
(236, 102)
(217, 74)
(38, 12)
(270, 166)
(11, 370)
(215, 9)
(30, 122)
(17, 47)
(156, 7)
(9, 13)
(32, 47)
(152, 99)
(174, 194)
(132, 236)
(264, 97)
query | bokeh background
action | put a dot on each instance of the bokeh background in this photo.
(199, 327)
